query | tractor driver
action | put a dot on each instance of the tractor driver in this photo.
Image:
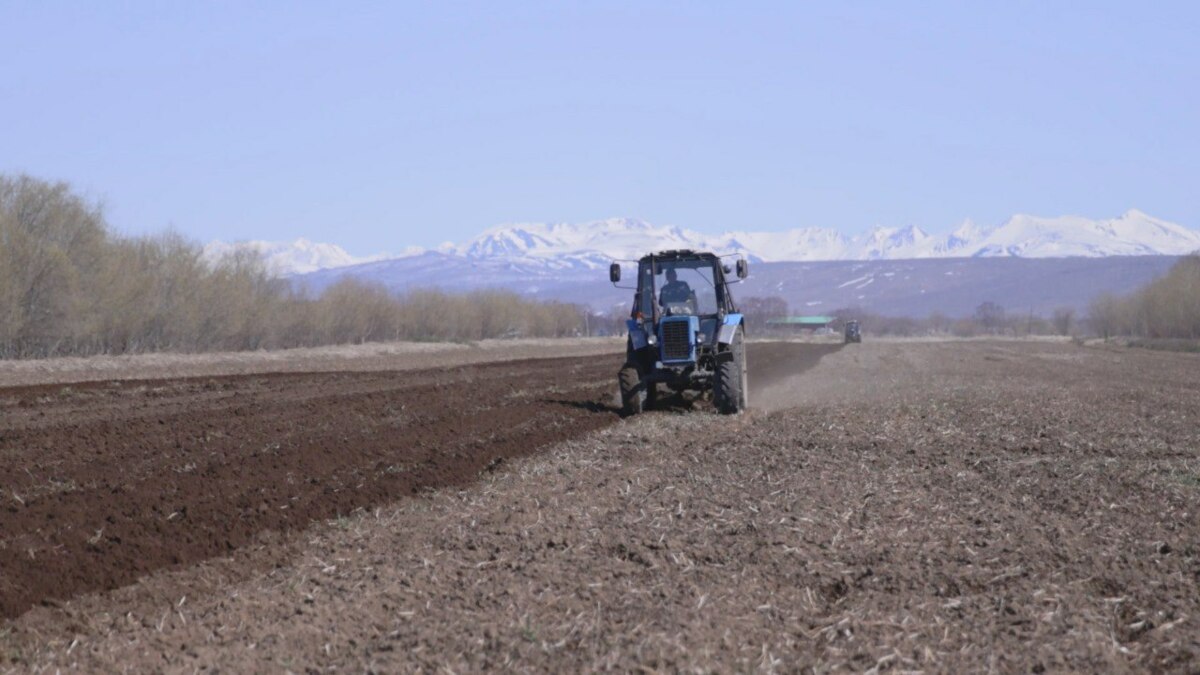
(675, 291)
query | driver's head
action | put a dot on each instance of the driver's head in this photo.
(672, 275)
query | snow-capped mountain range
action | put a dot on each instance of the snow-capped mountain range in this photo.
(577, 246)
(291, 257)
(597, 243)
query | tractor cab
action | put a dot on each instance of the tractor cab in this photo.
(853, 333)
(683, 326)
(678, 287)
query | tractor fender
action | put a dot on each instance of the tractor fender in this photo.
(729, 328)
(637, 334)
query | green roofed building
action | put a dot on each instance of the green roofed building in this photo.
(799, 323)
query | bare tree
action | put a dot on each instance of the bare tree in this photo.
(990, 316)
(1063, 319)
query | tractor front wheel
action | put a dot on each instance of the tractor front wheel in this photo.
(730, 391)
(633, 394)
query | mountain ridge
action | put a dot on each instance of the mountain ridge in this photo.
(1022, 235)
(591, 245)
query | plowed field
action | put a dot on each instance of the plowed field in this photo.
(104, 482)
(1008, 506)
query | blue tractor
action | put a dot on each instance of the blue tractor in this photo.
(685, 332)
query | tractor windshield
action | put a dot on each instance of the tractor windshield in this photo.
(678, 287)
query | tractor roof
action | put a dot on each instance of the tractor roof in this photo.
(681, 254)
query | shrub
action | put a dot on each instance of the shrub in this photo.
(69, 286)
(1167, 308)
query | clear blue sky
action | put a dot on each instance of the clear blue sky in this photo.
(378, 126)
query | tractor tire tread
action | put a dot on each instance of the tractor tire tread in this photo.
(728, 395)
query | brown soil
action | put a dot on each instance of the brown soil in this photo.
(954, 507)
(104, 482)
(101, 483)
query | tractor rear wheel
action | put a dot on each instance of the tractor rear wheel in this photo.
(633, 395)
(730, 391)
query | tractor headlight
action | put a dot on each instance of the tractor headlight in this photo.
(701, 338)
(652, 339)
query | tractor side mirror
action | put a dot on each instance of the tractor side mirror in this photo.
(743, 268)
(614, 273)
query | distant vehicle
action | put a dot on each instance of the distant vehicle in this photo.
(853, 332)
(685, 331)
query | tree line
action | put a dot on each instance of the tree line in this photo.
(69, 285)
(1167, 308)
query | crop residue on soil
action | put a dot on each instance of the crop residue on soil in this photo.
(945, 507)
